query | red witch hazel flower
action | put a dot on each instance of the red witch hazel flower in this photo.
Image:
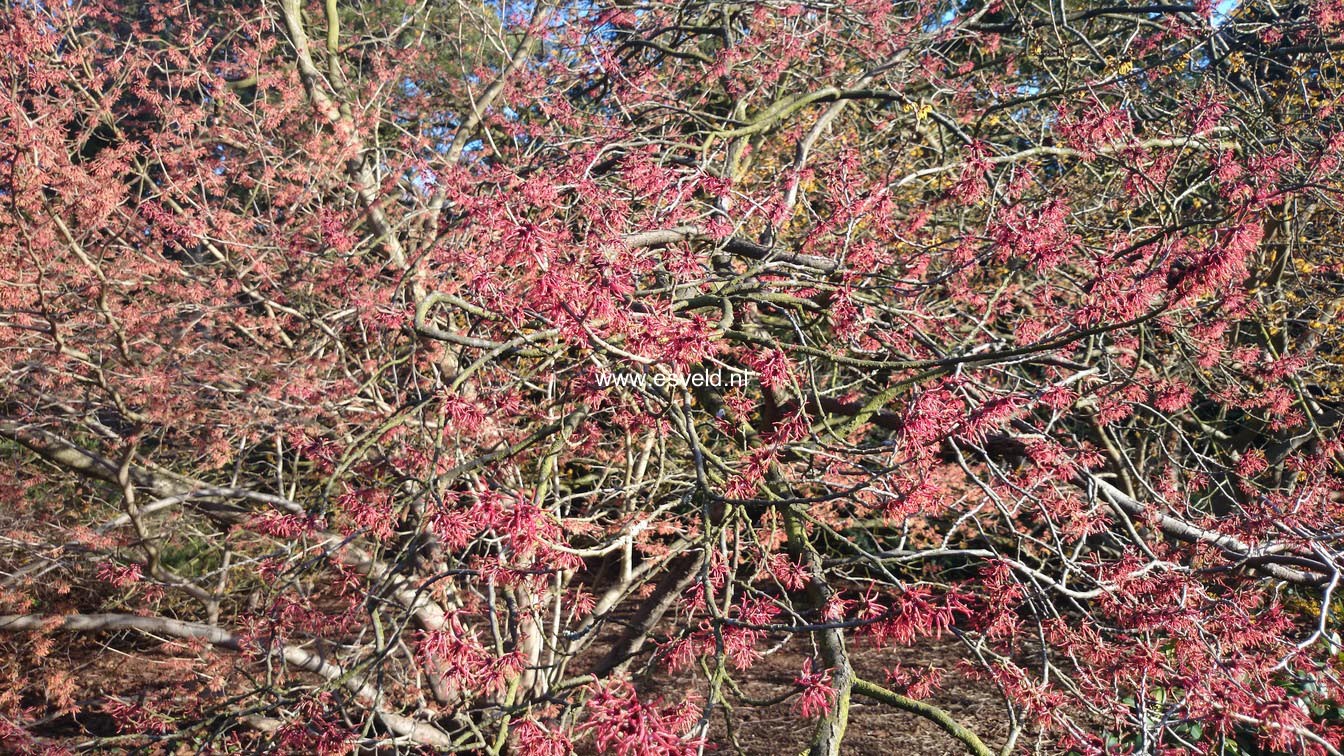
(818, 696)
(625, 725)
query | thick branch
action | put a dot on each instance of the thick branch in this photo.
(366, 182)
(1234, 548)
(419, 732)
(193, 493)
(944, 720)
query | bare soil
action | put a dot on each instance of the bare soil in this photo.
(142, 667)
(874, 728)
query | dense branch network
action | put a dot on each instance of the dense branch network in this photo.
(523, 378)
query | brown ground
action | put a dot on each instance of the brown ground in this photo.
(874, 729)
